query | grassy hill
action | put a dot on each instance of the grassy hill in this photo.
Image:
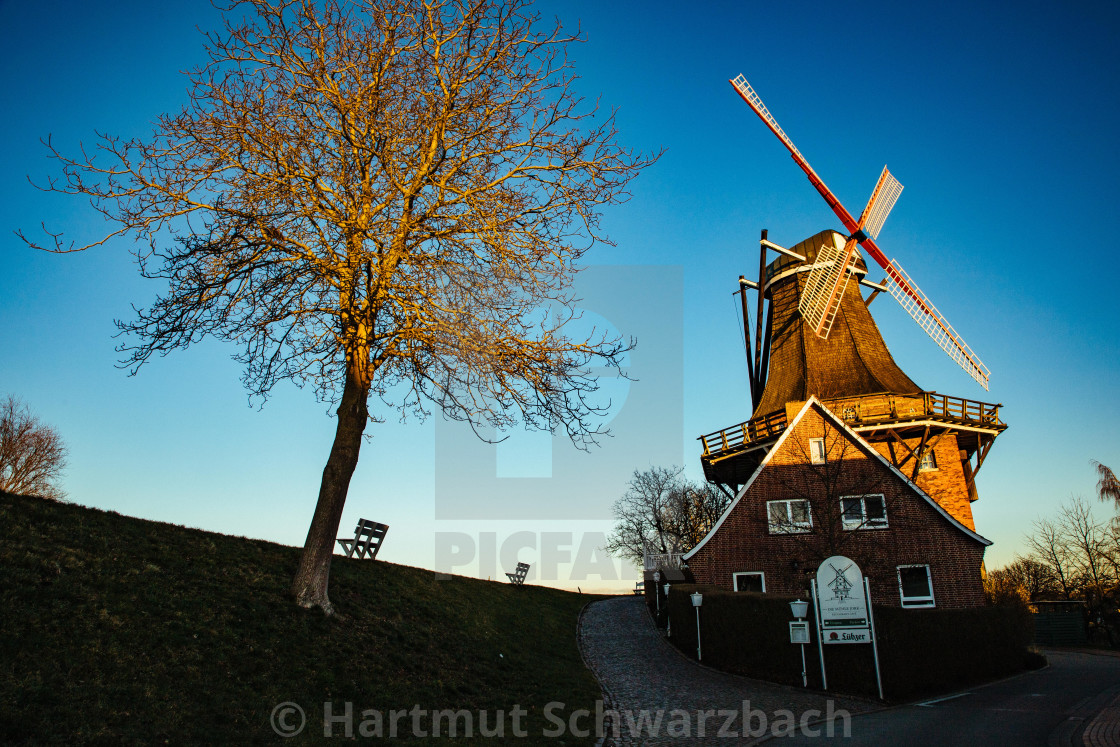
(120, 630)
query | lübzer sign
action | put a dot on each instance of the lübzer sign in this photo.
(841, 601)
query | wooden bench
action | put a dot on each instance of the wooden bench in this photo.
(639, 588)
(517, 578)
(367, 539)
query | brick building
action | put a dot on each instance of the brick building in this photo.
(845, 449)
(823, 490)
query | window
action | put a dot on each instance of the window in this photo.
(915, 586)
(816, 450)
(788, 517)
(863, 512)
(928, 461)
(751, 581)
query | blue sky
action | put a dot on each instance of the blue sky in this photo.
(1000, 120)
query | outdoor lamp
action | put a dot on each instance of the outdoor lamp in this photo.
(656, 596)
(697, 600)
(668, 619)
(800, 609)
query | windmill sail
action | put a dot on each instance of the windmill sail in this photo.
(883, 198)
(898, 282)
(917, 305)
(828, 279)
(824, 289)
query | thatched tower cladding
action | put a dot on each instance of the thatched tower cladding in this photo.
(853, 361)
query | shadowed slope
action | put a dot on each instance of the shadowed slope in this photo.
(121, 630)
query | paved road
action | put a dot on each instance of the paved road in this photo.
(1047, 707)
(643, 677)
(1075, 700)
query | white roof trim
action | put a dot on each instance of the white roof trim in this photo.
(825, 412)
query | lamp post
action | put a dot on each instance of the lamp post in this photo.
(656, 596)
(668, 619)
(799, 610)
(697, 600)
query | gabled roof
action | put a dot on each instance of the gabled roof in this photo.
(855, 438)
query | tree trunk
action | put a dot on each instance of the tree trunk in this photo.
(310, 584)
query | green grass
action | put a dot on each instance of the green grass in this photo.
(119, 630)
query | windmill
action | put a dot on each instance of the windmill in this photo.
(833, 268)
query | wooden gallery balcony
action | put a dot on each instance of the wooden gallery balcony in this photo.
(731, 455)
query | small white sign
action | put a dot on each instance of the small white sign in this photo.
(799, 632)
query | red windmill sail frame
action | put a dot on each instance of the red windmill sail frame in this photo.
(946, 334)
(842, 213)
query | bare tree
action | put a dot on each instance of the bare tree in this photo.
(376, 197)
(1033, 577)
(32, 455)
(1087, 539)
(1024, 578)
(644, 514)
(1047, 544)
(1079, 550)
(694, 510)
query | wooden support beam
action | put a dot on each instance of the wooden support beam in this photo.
(919, 453)
(981, 454)
(782, 250)
(765, 367)
(923, 450)
(755, 390)
(909, 452)
(758, 373)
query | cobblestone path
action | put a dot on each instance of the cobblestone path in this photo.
(642, 675)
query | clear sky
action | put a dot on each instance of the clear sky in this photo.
(999, 118)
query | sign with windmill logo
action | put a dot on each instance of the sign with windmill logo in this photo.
(842, 602)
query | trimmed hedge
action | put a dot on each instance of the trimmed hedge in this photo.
(921, 652)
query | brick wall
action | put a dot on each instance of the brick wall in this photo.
(945, 484)
(916, 532)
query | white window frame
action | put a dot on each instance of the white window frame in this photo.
(916, 602)
(791, 527)
(735, 579)
(815, 456)
(928, 462)
(864, 522)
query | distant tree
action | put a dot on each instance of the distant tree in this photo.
(32, 455)
(1048, 546)
(1088, 540)
(663, 512)
(1108, 486)
(694, 510)
(1002, 590)
(1080, 552)
(374, 197)
(644, 514)
(1024, 579)
(1035, 579)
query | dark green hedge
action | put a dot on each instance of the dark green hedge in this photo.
(921, 652)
